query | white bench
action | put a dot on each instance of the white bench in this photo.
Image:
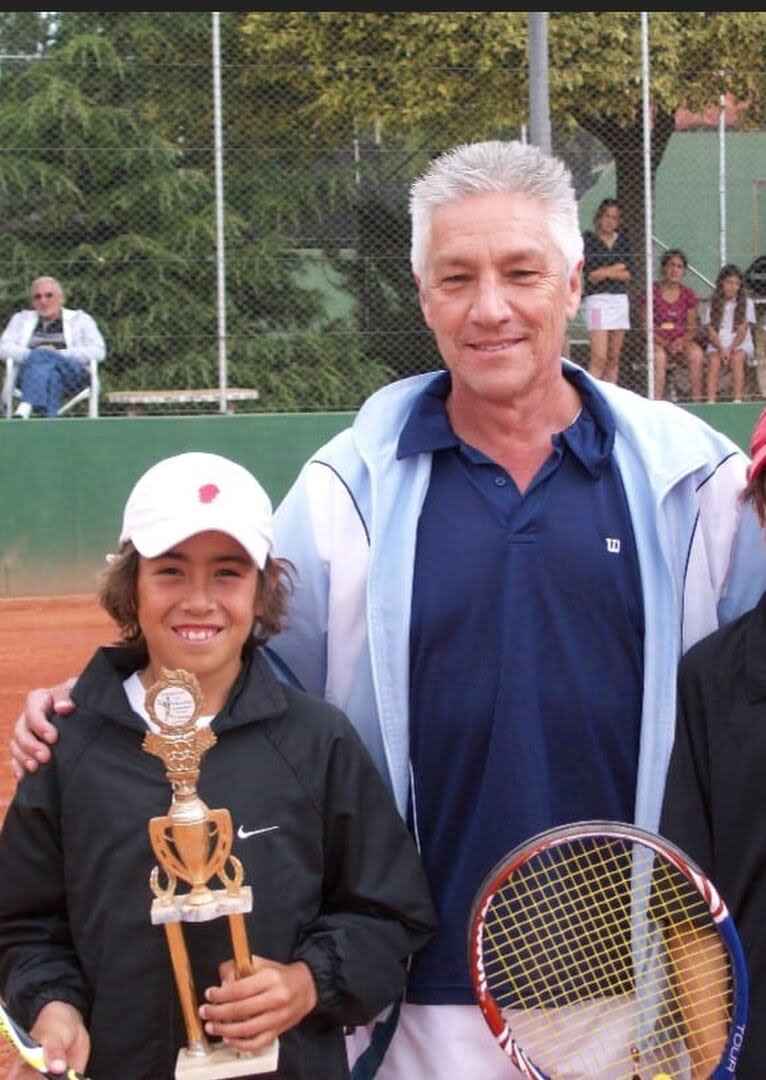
(135, 400)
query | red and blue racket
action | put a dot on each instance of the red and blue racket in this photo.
(600, 951)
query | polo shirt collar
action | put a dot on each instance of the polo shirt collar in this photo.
(427, 428)
(590, 438)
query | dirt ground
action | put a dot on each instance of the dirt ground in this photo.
(42, 641)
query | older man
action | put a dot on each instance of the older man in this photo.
(52, 347)
(499, 565)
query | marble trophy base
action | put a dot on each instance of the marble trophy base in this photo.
(220, 1062)
(178, 909)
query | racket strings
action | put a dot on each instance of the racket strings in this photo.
(544, 917)
(604, 929)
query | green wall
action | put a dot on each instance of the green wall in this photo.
(737, 421)
(64, 484)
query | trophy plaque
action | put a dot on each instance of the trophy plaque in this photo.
(192, 844)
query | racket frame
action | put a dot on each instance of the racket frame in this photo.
(506, 867)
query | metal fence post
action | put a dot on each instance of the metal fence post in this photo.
(219, 220)
(648, 228)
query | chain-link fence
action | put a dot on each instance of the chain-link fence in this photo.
(228, 196)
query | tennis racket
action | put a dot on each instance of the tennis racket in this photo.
(28, 1048)
(598, 950)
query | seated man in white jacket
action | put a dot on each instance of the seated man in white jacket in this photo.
(52, 348)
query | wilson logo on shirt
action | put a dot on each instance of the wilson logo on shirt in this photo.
(613, 545)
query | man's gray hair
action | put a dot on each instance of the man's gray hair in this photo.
(47, 278)
(473, 168)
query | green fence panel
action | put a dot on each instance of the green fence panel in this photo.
(64, 483)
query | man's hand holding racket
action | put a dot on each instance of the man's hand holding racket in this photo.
(33, 733)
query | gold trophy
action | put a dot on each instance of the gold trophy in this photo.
(193, 844)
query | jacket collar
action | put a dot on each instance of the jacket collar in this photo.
(255, 696)
(590, 438)
(642, 426)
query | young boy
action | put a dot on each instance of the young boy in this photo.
(339, 896)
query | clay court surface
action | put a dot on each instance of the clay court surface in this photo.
(42, 641)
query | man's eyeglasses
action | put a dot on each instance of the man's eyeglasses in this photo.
(43, 295)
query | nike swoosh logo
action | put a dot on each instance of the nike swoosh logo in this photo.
(243, 834)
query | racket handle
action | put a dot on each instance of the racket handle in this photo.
(29, 1049)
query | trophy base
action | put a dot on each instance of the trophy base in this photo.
(221, 903)
(220, 1062)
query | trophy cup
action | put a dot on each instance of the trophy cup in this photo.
(193, 844)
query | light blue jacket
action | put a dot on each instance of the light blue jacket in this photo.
(349, 525)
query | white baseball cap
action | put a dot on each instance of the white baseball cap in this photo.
(192, 493)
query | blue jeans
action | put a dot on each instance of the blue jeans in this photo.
(46, 375)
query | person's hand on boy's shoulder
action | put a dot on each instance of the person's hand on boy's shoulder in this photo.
(60, 1030)
(33, 732)
(249, 1013)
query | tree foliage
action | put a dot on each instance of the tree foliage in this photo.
(439, 77)
(425, 80)
(427, 71)
(696, 57)
(107, 170)
(416, 71)
(107, 182)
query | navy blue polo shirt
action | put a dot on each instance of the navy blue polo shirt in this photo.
(526, 659)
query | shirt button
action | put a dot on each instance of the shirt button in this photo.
(501, 481)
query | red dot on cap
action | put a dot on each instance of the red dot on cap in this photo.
(208, 492)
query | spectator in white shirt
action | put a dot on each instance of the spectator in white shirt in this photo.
(727, 317)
